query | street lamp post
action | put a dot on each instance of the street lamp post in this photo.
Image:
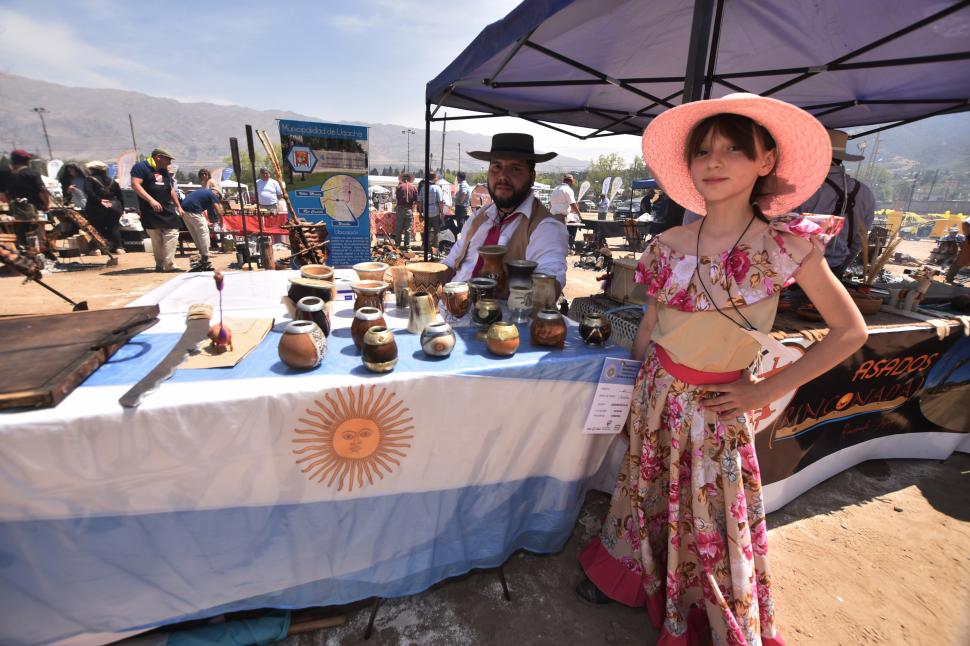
(40, 112)
(408, 132)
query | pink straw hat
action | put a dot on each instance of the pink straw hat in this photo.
(804, 150)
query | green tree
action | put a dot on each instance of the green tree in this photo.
(604, 166)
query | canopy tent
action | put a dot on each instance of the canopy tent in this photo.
(612, 65)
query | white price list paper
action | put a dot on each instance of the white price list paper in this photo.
(611, 403)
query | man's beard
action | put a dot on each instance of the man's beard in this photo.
(510, 202)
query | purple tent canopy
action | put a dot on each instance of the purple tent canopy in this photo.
(612, 65)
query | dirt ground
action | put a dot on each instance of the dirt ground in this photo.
(879, 554)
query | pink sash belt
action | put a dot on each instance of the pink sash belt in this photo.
(691, 376)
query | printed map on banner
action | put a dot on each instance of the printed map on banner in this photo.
(326, 179)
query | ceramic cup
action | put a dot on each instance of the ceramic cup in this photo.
(371, 270)
(379, 351)
(548, 329)
(316, 272)
(520, 303)
(369, 293)
(595, 330)
(502, 338)
(482, 288)
(438, 340)
(364, 319)
(312, 308)
(302, 345)
(424, 312)
(457, 297)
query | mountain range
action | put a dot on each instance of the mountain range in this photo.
(86, 123)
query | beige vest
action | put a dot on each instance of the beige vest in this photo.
(519, 241)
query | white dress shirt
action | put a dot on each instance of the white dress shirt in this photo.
(561, 198)
(547, 246)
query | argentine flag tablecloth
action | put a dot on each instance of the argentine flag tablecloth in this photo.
(259, 486)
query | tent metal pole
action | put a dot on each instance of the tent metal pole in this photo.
(600, 75)
(700, 37)
(873, 45)
(427, 180)
(512, 52)
(715, 41)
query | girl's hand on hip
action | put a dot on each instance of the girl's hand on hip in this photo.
(736, 398)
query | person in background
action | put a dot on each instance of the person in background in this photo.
(406, 195)
(602, 206)
(515, 219)
(71, 178)
(269, 192)
(206, 181)
(646, 202)
(104, 204)
(195, 205)
(159, 207)
(463, 198)
(436, 206)
(25, 192)
(562, 200)
(963, 255)
(847, 197)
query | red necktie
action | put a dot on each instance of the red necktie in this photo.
(492, 238)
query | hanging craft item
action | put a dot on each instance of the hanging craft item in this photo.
(219, 334)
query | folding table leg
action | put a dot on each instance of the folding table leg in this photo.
(373, 615)
(505, 585)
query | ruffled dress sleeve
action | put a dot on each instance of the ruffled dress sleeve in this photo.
(786, 256)
(653, 268)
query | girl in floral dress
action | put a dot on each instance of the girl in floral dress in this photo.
(685, 535)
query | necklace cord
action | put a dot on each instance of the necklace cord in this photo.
(697, 272)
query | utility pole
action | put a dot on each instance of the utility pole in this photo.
(444, 126)
(872, 157)
(131, 124)
(408, 132)
(936, 173)
(912, 190)
(459, 156)
(40, 112)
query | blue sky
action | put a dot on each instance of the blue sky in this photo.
(365, 61)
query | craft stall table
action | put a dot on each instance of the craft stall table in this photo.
(634, 232)
(259, 486)
(903, 395)
(272, 222)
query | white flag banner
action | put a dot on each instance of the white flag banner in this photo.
(615, 187)
(606, 186)
(125, 162)
(582, 190)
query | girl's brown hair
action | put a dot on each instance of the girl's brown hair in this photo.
(742, 132)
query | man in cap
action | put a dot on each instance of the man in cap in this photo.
(196, 205)
(846, 197)
(515, 218)
(158, 205)
(562, 203)
(26, 192)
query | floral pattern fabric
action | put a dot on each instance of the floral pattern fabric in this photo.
(752, 272)
(687, 519)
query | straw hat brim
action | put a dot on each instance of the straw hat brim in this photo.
(804, 150)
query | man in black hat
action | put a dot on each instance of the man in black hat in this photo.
(26, 192)
(515, 218)
(158, 205)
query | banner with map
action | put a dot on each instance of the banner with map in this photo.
(326, 179)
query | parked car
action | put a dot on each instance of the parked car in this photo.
(587, 206)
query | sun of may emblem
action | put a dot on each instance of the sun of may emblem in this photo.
(353, 436)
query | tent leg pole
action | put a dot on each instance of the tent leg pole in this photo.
(427, 184)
